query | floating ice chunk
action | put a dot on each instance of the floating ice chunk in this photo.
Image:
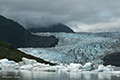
(10, 62)
(3, 61)
(6, 63)
(62, 67)
(29, 61)
(15, 66)
(102, 68)
(88, 67)
(110, 67)
(75, 65)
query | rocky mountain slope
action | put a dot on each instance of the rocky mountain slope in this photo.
(8, 51)
(17, 35)
(112, 59)
(53, 28)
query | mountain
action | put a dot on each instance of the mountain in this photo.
(10, 52)
(54, 28)
(17, 35)
(112, 59)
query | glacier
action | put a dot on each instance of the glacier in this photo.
(78, 47)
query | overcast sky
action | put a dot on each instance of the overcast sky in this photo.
(80, 15)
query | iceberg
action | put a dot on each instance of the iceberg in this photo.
(88, 67)
(5, 63)
(74, 67)
(29, 61)
(102, 68)
(15, 66)
(31, 64)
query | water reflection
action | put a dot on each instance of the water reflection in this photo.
(102, 76)
(39, 75)
(36, 74)
(93, 76)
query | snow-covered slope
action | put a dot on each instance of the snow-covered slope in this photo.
(78, 47)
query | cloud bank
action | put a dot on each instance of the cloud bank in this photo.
(80, 15)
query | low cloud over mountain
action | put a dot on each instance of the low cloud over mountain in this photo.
(80, 15)
(14, 33)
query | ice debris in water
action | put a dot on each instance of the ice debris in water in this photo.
(102, 68)
(29, 61)
(88, 67)
(31, 64)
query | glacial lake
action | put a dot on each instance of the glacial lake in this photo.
(58, 75)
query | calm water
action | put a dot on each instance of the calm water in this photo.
(39, 75)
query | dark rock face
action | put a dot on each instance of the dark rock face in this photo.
(18, 36)
(112, 59)
(55, 28)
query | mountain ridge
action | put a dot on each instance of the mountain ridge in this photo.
(53, 28)
(14, 33)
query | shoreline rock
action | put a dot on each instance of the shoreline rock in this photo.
(112, 59)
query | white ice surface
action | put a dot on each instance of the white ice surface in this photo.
(78, 47)
(73, 67)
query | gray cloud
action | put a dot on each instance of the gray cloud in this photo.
(80, 15)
